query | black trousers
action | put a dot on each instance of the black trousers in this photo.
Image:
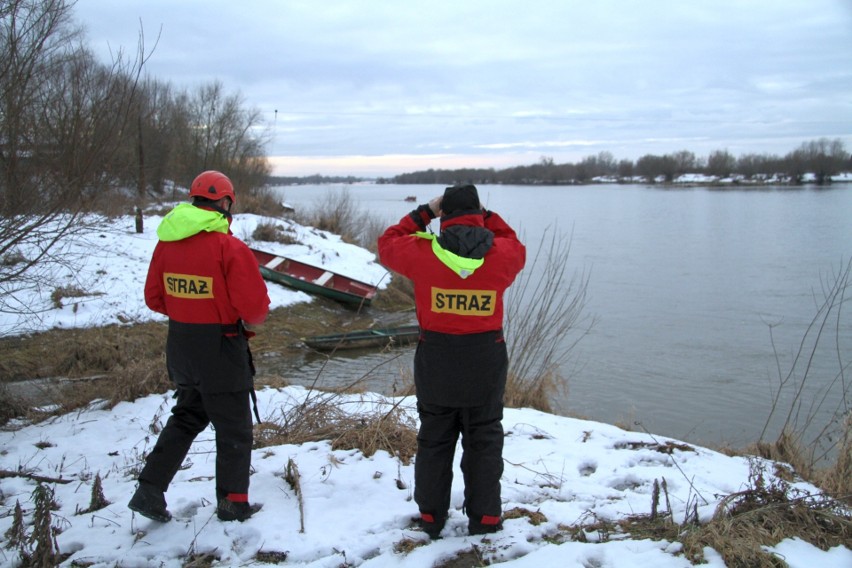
(230, 414)
(482, 458)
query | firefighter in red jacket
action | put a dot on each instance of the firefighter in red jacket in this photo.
(460, 364)
(209, 285)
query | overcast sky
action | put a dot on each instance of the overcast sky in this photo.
(376, 87)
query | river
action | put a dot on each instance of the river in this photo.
(684, 284)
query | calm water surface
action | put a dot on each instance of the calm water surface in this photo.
(684, 284)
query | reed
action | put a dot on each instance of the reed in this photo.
(819, 449)
(545, 320)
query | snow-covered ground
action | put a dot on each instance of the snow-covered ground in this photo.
(108, 265)
(357, 509)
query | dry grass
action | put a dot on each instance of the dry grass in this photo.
(837, 478)
(271, 557)
(339, 213)
(11, 406)
(740, 534)
(283, 329)
(762, 515)
(468, 558)
(273, 233)
(336, 212)
(398, 296)
(138, 379)
(536, 392)
(786, 449)
(393, 431)
(407, 545)
(323, 417)
(260, 201)
(79, 352)
(200, 560)
(371, 229)
(110, 363)
(834, 478)
(118, 363)
(805, 438)
(64, 292)
(535, 518)
(544, 322)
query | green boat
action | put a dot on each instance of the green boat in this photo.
(364, 338)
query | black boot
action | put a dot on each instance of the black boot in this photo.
(484, 525)
(432, 524)
(234, 511)
(150, 502)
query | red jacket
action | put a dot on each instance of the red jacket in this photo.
(202, 274)
(448, 300)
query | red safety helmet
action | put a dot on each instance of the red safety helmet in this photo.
(212, 185)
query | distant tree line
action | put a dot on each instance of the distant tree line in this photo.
(822, 158)
(311, 180)
(72, 129)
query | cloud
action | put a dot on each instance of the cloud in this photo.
(375, 79)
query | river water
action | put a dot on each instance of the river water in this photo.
(684, 285)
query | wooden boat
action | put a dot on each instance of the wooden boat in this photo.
(363, 338)
(313, 279)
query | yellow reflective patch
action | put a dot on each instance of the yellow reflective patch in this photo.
(188, 286)
(464, 302)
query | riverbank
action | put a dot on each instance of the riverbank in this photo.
(49, 367)
(81, 313)
(573, 487)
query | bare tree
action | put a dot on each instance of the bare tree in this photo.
(651, 167)
(721, 163)
(34, 40)
(625, 168)
(683, 162)
(155, 148)
(606, 163)
(824, 158)
(62, 120)
(217, 132)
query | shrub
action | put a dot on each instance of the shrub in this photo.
(335, 212)
(338, 212)
(397, 296)
(544, 309)
(273, 233)
(261, 201)
(11, 406)
(763, 514)
(820, 450)
(322, 417)
(63, 292)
